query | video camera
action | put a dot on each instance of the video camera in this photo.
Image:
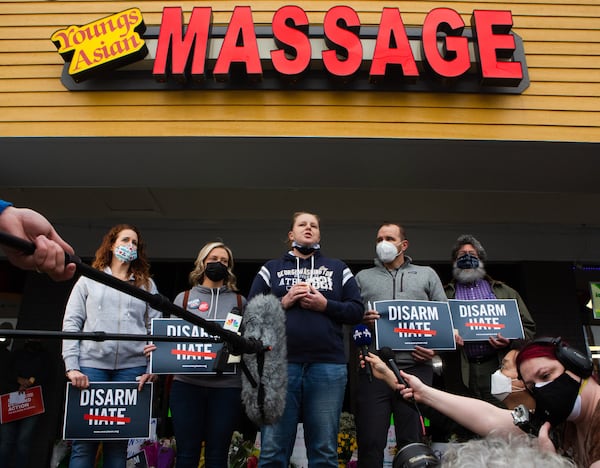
(526, 420)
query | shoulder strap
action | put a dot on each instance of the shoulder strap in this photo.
(186, 296)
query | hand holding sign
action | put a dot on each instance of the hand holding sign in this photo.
(370, 316)
(498, 341)
(78, 378)
(146, 378)
(421, 354)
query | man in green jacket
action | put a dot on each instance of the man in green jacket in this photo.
(480, 359)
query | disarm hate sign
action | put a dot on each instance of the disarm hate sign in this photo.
(406, 324)
(184, 357)
(108, 410)
(478, 320)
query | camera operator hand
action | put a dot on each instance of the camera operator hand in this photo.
(50, 248)
(479, 416)
(544, 438)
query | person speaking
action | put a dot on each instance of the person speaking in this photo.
(319, 295)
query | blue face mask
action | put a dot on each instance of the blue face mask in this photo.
(305, 249)
(126, 253)
(467, 262)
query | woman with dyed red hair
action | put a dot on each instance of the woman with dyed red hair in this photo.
(557, 376)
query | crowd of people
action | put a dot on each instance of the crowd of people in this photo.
(320, 295)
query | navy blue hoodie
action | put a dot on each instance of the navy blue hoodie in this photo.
(313, 336)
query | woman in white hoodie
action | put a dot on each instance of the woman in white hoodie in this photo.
(94, 307)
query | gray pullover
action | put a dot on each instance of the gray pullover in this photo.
(408, 282)
(216, 303)
(94, 307)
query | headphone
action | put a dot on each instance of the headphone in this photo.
(571, 358)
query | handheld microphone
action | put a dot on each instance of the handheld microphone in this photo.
(387, 355)
(362, 339)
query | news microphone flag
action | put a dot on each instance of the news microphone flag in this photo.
(362, 339)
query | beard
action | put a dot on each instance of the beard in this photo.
(469, 275)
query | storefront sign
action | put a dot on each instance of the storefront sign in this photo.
(291, 53)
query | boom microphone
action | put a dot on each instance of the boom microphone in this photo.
(264, 381)
(362, 339)
(157, 301)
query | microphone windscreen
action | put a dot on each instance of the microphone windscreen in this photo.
(264, 320)
(361, 336)
(386, 354)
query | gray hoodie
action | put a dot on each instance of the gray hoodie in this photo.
(94, 307)
(218, 303)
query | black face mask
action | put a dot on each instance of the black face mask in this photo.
(216, 271)
(555, 400)
(467, 262)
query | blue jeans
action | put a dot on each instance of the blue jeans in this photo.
(16, 441)
(315, 395)
(204, 414)
(114, 452)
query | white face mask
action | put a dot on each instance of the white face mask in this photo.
(386, 251)
(501, 385)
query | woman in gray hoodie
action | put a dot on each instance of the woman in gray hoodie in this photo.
(94, 307)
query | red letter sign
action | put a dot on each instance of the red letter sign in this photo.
(239, 46)
(392, 47)
(454, 61)
(343, 41)
(170, 42)
(490, 28)
(292, 40)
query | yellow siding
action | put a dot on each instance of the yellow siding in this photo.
(562, 46)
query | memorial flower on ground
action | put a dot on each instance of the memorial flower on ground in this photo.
(346, 438)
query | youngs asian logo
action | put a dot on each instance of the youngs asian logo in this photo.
(105, 44)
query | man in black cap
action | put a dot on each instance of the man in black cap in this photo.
(480, 359)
